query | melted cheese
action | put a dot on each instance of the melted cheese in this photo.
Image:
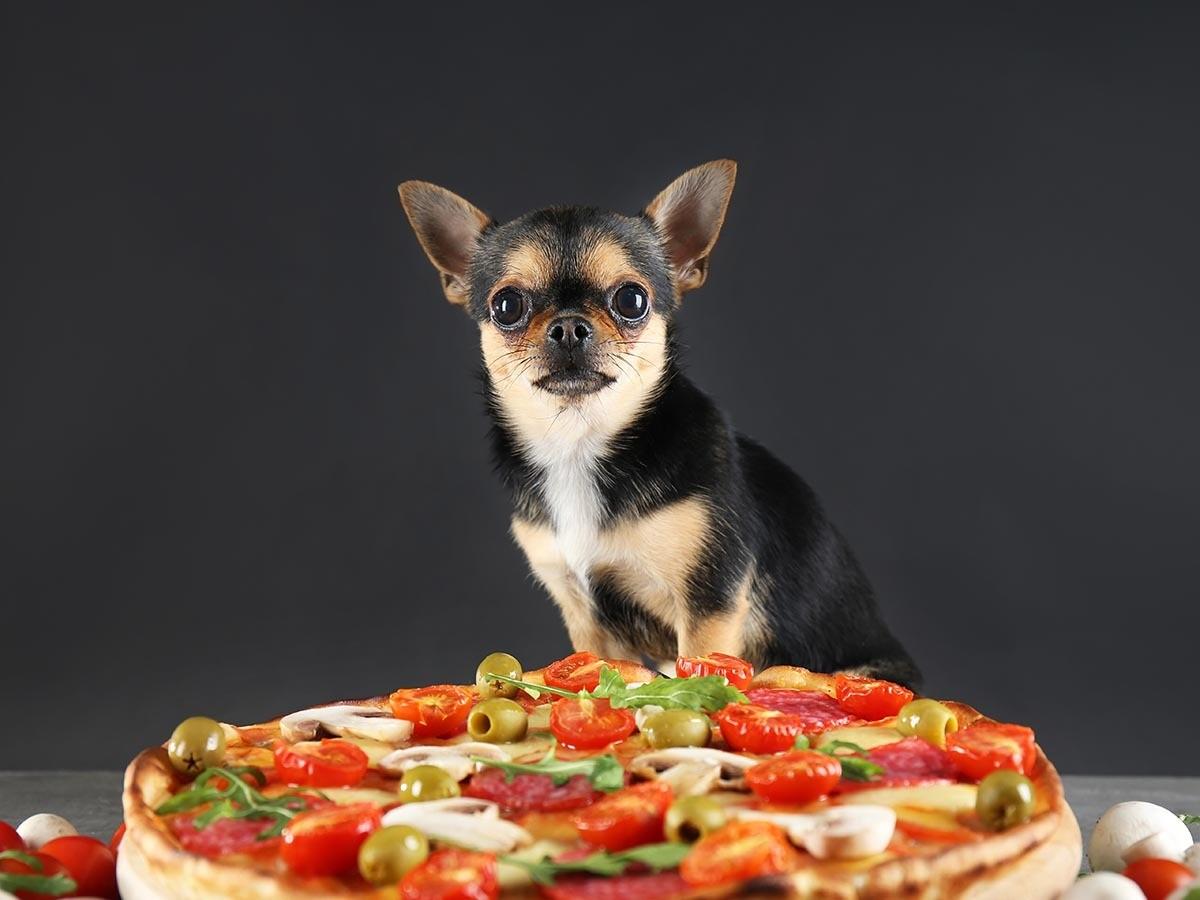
(866, 736)
(949, 798)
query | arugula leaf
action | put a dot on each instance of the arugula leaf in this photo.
(855, 765)
(655, 856)
(801, 743)
(235, 800)
(34, 882)
(706, 692)
(604, 772)
(1189, 819)
(535, 690)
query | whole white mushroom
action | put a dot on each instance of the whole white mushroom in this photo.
(39, 830)
(1104, 886)
(1127, 824)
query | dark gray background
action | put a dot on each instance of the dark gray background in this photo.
(242, 456)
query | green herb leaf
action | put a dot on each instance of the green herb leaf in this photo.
(535, 690)
(604, 772)
(706, 692)
(855, 765)
(656, 856)
(1189, 819)
(801, 742)
(236, 800)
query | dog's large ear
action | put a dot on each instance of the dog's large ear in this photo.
(689, 213)
(448, 228)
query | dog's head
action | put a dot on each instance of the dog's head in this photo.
(574, 304)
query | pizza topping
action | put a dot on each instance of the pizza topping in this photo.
(675, 728)
(452, 875)
(497, 664)
(911, 761)
(332, 763)
(345, 720)
(687, 768)
(689, 819)
(816, 711)
(326, 841)
(528, 793)
(989, 746)
(463, 821)
(226, 795)
(928, 720)
(869, 698)
(798, 777)
(589, 724)
(196, 744)
(577, 672)
(455, 759)
(954, 799)
(655, 857)
(866, 736)
(852, 758)
(438, 711)
(842, 832)
(627, 818)
(390, 853)
(645, 886)
(1005, 799)
(604, 773)
(756, 729)
(708, 693)
(498, 720)
(739, 851)
(421, 784)
(736, 671)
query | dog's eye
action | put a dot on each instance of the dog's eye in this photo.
(508, 307)
(630, 302)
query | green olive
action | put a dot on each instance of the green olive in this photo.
(421, 783)
(677, 728)
(691, 818)
(497, 721)
(196, 744)
(1005, 799)
(927, 719)
(498, 664)
(391, 853)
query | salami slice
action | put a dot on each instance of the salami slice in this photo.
(648, 886)
(910, 761)
(819, 711)
(529, 792)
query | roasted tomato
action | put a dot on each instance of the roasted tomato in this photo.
(588, 724)
(1159, 878)
(49, 866)
(439, 711)
(9, 839)
(797, 777)
(331, 763)
(531, 793)
(736, 671)
(736, 852)
(90, 862)
(577, 672)
(326, 841)
(981, 749)
(452, 875)
(627, 818)
(754, 729)
(869, 698)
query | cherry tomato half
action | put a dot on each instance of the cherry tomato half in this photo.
(797, 777)
(326, 841)
(331, 763)
(755, 729)
(577, 672)
(869, 698)
(90, 863)
(452, 875)
(1158, 878)
(439, 711)
(627, 818)
(736, 852)
(9, 839)
(737, 671)
(588, 724)
(981, 749)
(49, 867)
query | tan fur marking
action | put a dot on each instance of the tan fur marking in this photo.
(528, 266)
(719, 634)
(606, 264)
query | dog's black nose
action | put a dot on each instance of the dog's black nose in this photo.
(569, 331)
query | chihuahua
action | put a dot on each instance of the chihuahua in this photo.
(657, 529)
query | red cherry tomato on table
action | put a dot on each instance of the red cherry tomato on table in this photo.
(737, 671)
(755, 729)
(981, 749)
(326, 841)
(9, 839)
(452, 875)
(439, 711)
(1159, 878)
(49, 867)
(869, 698)
(588, 724)
(736, 852)
(797, 777)
(628, 818)
(331, 763)
(90, 862)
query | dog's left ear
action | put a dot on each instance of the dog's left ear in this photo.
(689, 213)
(448, 228)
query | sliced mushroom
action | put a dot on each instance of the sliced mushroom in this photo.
(842, 832)
(731, 768)
(690, 779)
(454, 759)
(462, 821)
(348, 721)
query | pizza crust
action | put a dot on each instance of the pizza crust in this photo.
(1036, 860)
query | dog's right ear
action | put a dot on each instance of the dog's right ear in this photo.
(448, 228)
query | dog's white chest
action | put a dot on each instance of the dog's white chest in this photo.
(573, 500)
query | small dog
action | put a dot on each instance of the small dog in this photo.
(656, 528)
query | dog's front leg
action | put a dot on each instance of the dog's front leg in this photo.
(723, 630)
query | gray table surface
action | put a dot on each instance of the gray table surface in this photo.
(92, 800)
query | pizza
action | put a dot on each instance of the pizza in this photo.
(594, 778)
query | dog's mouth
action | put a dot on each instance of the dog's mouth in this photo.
(573, 381)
